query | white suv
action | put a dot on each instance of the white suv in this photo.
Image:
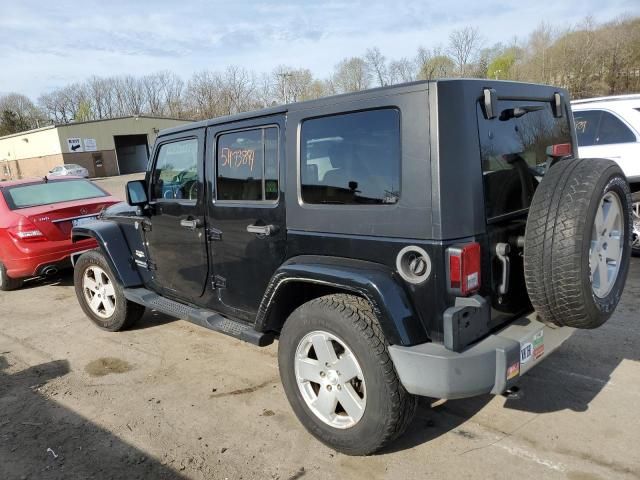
(609, 127)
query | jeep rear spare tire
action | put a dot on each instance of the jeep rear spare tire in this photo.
(578, 242)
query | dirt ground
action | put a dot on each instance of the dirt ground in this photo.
(170, 400)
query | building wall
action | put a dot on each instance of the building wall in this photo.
(88, 161)
(29, 167)
(103, 131)
(33, 144)
(36, 152)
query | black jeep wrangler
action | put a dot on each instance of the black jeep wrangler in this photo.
(430, 239)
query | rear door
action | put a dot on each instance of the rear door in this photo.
(246, 213)
(177, 248)
(514, 151)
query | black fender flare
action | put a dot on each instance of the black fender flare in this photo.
(115, 248)
(378, 283)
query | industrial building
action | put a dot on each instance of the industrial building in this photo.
(104, 147)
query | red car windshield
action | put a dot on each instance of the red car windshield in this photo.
(30, 195)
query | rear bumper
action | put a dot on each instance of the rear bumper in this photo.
(55, 254)
(491, 366)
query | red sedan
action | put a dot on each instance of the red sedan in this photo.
(36, 217)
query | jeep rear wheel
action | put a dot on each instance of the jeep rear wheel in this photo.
(6, 282)
(101, 296)
(578, 242)
(339, 377)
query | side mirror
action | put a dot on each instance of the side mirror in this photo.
(137, 193)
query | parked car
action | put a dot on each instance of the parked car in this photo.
(69, 169)
(36, 217)
(609, 127)
(396, 241)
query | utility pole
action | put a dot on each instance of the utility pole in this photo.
(285, 79)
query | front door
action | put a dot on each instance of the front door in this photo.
(246, 216)
(177, 247)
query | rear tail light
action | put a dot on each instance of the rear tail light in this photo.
(560, 150)
(464, 268)
(26, 232)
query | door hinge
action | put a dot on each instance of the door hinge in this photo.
(214, 234)
(146, 226)
(218, 282)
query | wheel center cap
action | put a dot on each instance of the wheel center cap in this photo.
(332, 377)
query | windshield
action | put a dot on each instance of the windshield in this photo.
(23, 196)
(514, 149)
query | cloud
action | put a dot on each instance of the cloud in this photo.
(47, 44)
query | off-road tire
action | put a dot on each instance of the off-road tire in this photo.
(6, 282)
(126, 313)
(558, 237)
(389, 408)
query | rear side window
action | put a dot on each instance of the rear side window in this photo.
(351, 158)
(514, 153)
(613, 130)
(598, 127)
(23, 196)
(247, 165)
(176, 172)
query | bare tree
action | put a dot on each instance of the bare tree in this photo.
(377, 64)
(402, 70)
(433, 63)
(204, 95)
(292, 85)
(19, 113)
(351, 75)
(463, 48)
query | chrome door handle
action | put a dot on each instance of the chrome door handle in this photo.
(191, 224)
(262, 229)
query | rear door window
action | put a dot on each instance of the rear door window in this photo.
(586, 122)
(247, 165)
(599, 127)
(514, 152)
(613, 130)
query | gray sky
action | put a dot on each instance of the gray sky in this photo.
(47, 44)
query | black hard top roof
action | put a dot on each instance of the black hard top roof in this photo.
(345, 98)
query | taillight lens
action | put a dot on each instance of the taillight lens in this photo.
(464, 268)
(26, 232)
(560, 150)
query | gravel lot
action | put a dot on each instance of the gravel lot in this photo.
(172, 400)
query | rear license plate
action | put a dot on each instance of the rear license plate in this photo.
(79, 221)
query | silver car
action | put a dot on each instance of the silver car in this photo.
(70, 169)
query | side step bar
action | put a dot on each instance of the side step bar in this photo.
(205, 318)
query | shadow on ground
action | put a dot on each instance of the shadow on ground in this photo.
(31, 424)
(568, 380)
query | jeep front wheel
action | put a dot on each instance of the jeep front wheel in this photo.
(339, 377)
(101, 296)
